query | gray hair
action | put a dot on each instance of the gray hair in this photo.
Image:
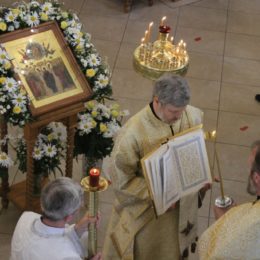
(61, 198)
(172, 89)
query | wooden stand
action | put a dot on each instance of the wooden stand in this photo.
(21, 194)
(5, 184)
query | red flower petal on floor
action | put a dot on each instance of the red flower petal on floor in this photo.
(197, 39)
(244, 128)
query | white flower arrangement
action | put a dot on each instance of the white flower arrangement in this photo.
(48, 150)
(14, 101)
(97, 126)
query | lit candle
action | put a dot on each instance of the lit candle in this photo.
(172, 39)
(149, 30)
(94, 174)
(146, 36)
(162, 21)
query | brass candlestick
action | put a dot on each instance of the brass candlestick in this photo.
(93, 210)
(222, 201)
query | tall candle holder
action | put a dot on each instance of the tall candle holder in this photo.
(93, 191)
(222, 201)
(153, 59)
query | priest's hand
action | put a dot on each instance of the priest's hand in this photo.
(219, 212)
(96, 257)
(82, 225)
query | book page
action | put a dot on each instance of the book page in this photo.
(177, 168)
(153, 171)
(191, 161)
(171, 182)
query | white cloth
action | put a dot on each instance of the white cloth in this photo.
(33, 240)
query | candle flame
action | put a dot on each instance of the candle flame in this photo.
(162, 21)
(94, 171)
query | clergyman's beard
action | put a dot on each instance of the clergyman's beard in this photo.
(250, 186)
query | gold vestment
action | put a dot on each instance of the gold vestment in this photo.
(134, 232)
(236, 235)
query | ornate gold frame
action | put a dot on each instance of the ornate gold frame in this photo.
(46, 67)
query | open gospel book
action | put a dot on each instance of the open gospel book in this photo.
(176, 168)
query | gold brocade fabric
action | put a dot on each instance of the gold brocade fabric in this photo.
(236, 235)
(133, 225)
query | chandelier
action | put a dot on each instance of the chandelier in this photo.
(153, 59)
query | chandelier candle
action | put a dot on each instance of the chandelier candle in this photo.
(152, 59)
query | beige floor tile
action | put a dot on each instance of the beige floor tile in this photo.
(231, 168)
(237, 129)
(8, 219)
(143, 12)
(251, 6)
(242, 46)
(241, 71)
(73, 6)
(204, 88)
(219, 4)
(204, 66)
(108, 51)
(201, 40)
(104, 28)
(198, 17)
(125, 56)
(104, 8)
(5, 246)
(134, 85)
(239, 98)
(240, 22)
(210, 119)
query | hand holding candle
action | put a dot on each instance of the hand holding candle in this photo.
(94, 174)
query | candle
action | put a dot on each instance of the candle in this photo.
(220, 178)
(162, 21)
(172, 39)
(149, 30)
(146, 36)
(94, 174)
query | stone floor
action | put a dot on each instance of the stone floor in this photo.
(223, 41)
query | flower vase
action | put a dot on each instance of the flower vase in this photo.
(88, 163)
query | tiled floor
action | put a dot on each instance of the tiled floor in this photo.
(223, 74)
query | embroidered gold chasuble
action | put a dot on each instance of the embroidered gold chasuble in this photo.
(236, 235)
(134, 232)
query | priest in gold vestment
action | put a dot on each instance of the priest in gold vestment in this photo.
(236, 235)
(134, 232)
